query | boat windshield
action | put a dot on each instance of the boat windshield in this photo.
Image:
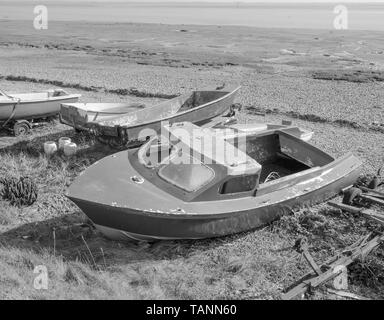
(177, 167)
(189, 176)
(155, 152)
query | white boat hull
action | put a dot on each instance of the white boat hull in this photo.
(25, 110)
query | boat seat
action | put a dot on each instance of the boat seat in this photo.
(213, 148)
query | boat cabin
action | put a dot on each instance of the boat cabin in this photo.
(202, 164)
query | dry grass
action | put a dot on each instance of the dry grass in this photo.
(84, 265)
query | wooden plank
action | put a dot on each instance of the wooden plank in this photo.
(377, 220)
(345, 207)
(372, 214)
(301, 288)
(372, 199)
(312, 262)
(361, 252)
(379, 193)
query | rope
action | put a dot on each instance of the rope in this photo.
(12, 114)
(272, 176)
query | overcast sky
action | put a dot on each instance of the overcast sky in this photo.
(181, 1)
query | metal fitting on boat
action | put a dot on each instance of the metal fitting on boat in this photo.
(137, 179)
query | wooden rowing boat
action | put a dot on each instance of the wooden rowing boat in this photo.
(139, 124)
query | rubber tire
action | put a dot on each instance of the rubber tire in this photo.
(350, 195)
(21, 128)
(374, 183)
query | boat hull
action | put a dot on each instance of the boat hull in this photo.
(124, 223)
(26, 110)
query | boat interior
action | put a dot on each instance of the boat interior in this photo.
(281, 154)
(108, 108)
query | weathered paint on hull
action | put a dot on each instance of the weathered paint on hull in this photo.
(119, 223)
(34, 109)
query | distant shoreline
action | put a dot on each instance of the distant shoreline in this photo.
(185, 26)
(314, 16)
(198, 3)
(265, 15)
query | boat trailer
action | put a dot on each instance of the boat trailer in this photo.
(21, 125)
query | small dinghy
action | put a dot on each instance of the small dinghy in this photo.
(192, 182)
(141, 123)
(17, 111)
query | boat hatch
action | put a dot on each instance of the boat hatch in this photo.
(189, 177)
(240, 184)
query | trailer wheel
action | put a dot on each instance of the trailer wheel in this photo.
(21, 128)
(374, 183)
(350, 195)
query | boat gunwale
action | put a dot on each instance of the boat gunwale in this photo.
(22, 102)
(192, 215)
(78, 105)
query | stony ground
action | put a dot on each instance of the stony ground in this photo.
(329, 82)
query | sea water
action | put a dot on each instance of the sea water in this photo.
(368, 16)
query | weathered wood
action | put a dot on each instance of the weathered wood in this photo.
(345, 207)
(372, 214)
(311, 262)
(301, 288)
(130, 123)
(301, 246)
(372, 199)
(377, 220)
(379, 193)
(359, 252)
